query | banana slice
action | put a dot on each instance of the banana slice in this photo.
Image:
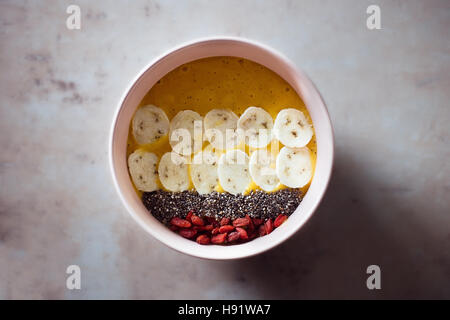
(221, 129)
(149, 124)
(233, 171)
(143, 170)
(173, 172)
(262, 170)
(186, 132)
(204, 171)
(257, 124)
(294, 167)
(292, 128)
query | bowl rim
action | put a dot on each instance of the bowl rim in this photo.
(288, 63)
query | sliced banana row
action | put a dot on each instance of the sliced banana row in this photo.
(234, 170)
(222, 128)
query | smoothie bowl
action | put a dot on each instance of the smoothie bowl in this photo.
(221, 149)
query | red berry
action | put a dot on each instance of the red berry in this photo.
(279, 220)
(241, 222)
(242, 233)
(269, 226)
(197, 220)
(225, 229)
(233, 236)
(182, 223)
(262, 230)
(224, 221)
(203, 239)
(189, 215)
(219, 239)
(187, 233)
(257, 221)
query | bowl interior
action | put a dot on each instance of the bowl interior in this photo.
(210, 48)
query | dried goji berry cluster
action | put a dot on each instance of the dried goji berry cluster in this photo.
(209, 230)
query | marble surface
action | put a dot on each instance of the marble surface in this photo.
(388, 204)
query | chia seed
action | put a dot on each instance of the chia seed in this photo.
(165, 205)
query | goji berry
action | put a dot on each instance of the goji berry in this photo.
(257, 221)
(197, 220)
(262, 230)
(243, 235)
(269, 226)
(189, 215)
(225, 229)
(203, 239)
(279, 220)
(224, 221)
(219, 239)
(233, 236)
(240, 222)
(182, 223)
(187, 233)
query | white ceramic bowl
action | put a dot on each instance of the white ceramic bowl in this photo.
(208, 48)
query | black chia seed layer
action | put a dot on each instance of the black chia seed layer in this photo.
(257, 204)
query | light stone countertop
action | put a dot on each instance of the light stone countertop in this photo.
(388, 204)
